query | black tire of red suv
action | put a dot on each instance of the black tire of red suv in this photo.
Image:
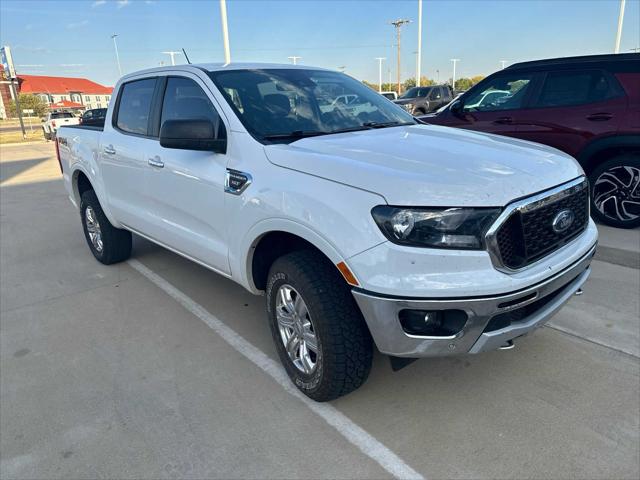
(615, 191)
(107, 243)
(343, 344)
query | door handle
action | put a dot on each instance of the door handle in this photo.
(156, 162)
(109, 150)
(503, 121)
(600, 117)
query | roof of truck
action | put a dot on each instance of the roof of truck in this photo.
(585, 60)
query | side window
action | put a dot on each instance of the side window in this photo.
(185, 100)
(135, 106)
(435, 94)
(574, 88)
(503, 92)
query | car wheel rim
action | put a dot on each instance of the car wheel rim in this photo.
(616, 193)
(297, 332)
(93, 229)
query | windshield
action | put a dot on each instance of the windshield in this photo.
(285, 104)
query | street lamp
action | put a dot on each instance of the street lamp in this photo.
(173, 56)
(115, 45)
(453, 82)
(380, 59)
(294, 59)
(503, 62)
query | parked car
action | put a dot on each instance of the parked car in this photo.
(357, 226)
(588, 107)
(390, 95)
(94, 117)
(55, 120)
(421, 100)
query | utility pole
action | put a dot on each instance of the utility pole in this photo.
(294, 59)
(453, 80)
(418, 69)
(398, 25)
(503, 62)
(620, 20)
(225, 31)
(173, 56)
(380, 59)
(115, 45)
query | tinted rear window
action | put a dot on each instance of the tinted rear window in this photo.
(135, 106)
(61, 115)
(574, 88)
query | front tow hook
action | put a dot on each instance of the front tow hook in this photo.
(507, 346)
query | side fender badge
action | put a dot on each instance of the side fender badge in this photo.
(236, 182)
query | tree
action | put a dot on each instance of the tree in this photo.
(477, 79)
(28, 102)
(463, 84)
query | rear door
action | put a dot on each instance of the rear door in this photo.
(122, 153)
(573, 106)
(186, 187)
(490, 113)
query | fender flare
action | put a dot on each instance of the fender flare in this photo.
(606, 143)
(78, 168)
(263, 227)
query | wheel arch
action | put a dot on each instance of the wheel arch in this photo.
(270, 239)
(603, 149)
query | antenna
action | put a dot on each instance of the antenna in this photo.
(186, 56)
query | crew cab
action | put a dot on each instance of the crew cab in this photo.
(588, 107)
(360, 227)
(55, 120)
(421, 100)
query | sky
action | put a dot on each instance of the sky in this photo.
(73, 38)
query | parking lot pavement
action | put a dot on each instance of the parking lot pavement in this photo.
(102, 374)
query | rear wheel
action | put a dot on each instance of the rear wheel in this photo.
(615, 191)
(47, 135)
(107, 243)
(320, 335)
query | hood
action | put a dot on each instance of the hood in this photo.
(404, 101)
(430, 165)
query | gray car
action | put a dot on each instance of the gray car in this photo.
(421, 100)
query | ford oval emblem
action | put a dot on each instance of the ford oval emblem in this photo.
(562, 221)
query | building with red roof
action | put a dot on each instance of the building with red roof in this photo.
(66, 89)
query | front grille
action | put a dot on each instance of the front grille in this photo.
(528, 234)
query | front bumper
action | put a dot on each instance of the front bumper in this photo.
(381, 314)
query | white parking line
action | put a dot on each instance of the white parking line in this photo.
(349, 430)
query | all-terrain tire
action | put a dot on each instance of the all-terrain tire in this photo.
(115, 244)
(345, 347)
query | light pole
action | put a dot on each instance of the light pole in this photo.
(380, 59)
(398, 24)
(115, 45)
(225, 31)
(294, 59)
(503, 62)
(419, 60)
(173, 56)
(620, 20)
(453, 80)
(438, 75)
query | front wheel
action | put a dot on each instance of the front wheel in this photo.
(320, 335)
(615, 191)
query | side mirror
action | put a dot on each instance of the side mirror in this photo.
(456, 109)
(193, 135)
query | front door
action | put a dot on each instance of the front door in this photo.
(496, 105)
(186, 187)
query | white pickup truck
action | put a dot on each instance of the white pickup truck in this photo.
(360, 227)
(54, 120)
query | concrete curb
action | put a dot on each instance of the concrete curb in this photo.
(39, 142)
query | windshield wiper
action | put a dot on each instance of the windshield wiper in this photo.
(385, 124)
(295, 135)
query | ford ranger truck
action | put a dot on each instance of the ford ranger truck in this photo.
(359, 226)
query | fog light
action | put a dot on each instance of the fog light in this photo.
(432, 323)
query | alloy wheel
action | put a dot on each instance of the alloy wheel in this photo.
(93, 229)
(616, 193)
(297, 332)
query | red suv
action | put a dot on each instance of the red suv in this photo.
(588, 107)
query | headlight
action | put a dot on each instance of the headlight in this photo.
(458, 228)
